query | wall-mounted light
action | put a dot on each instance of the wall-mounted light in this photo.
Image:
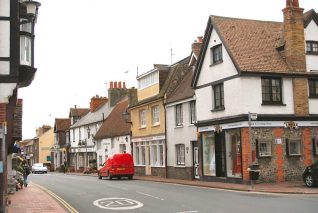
(29, 10)
(126, 116)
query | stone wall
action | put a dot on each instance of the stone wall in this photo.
(185, 173)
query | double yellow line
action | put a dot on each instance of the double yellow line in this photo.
(60, 200)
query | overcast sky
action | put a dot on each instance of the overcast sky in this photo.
(80, 45)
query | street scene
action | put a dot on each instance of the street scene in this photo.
(158, 106)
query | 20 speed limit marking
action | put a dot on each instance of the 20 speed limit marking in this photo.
(115, 203)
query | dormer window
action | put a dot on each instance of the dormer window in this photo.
(312, 47)
(216, 54)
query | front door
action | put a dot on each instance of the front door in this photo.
(220, 154)
(195, 152)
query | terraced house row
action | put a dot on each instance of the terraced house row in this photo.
(247, 93)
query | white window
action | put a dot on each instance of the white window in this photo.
(264, 148)
(192, 112)
(112, 143)
(122, 148)
(156, 153)
(179, 119)
(142, 118)
(180, 154)
(25, 50)
(155, 115)
(148, 80)
(139, 153)
(293, 147)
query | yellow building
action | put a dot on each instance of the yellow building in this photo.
(148, 118)
(46, 142)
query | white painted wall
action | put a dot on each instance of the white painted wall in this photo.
(6, 91)
(179, 135)
(218, 71)
(313, 106)
(242, 95)
(4, 38)
(311, 33)
(5, 8)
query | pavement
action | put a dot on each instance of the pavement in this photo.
(34, 199)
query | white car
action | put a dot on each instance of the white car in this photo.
(39, 168)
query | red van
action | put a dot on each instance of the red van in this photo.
(117, 165)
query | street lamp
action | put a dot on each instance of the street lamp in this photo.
(29, 10)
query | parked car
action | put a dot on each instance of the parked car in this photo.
(310, 175)
(117, 165)
(39, 168)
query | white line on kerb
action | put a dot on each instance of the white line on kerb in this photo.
(189, 211)
(150, 195)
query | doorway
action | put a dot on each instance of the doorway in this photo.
(220, 157)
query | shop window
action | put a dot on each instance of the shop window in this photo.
(139, 154)
(208, 146)
(157, 154)
(315, 146)
(264, 148)
(180, 154)
(233, 153)
(293, 147)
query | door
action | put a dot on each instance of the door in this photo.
(147, 160)
(195, 161)
(220, 154)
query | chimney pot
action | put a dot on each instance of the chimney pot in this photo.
(111, 85)
(115, 85)
(200, 39)
(124, 85)
(119, 84)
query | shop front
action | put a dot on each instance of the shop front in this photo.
(221, 153)
(149, 155)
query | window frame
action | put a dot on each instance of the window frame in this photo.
(218, 103)
(142, 118)
(293, 140)
(310, 48)
(193, 115)
(25, 50)
(179, 115)
(313, 88)
(155, 115)
(180, 154)
(216, 54)
(260, 153)
(271, 93)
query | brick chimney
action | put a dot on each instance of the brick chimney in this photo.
(116, 92)
(96, 102)
(294, 52)
(294, 36)
(196, 46)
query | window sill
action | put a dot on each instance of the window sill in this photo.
(155, 125)
(313, 96)
(218, 109)
(179, 126)
(216, 63)
(265, 156)
(153, 166)
(142, 127)
(273, 104)
(191, 124)
(296, 155)
(311, 53)
(180, 166)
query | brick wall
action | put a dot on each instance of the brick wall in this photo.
(2, 112)
(245, 153)
(301, 103)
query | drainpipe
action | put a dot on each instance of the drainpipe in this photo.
(166, 145)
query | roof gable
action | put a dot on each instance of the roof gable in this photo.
(309, 16)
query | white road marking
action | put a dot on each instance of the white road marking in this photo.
(150, 195)
(189, 211)
(117, 203)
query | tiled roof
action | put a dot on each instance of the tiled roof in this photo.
(62, 124)
(115, 125)
(184, 90)
(78, 112)
(94, 117)
(310, 15)
(251, 44)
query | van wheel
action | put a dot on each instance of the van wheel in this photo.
(109, 176)
(119, 178)
(100, 177)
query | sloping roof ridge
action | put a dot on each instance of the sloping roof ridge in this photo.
(244, 19)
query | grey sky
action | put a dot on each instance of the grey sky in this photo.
(80, 45)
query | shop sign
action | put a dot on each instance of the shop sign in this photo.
(150, 138)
